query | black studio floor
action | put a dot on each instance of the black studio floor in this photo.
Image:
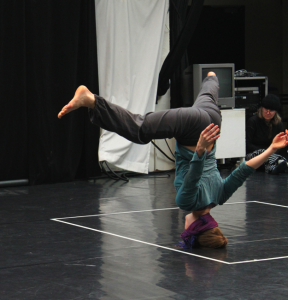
(115, 240)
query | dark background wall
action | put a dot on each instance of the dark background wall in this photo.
(285, 46)
(251, 33)
(48, 48)
(265, 41)
(218, 38)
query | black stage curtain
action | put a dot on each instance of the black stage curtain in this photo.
(13, 101)
(48, 49)
(182, 26)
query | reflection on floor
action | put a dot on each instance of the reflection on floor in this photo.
(116, 240)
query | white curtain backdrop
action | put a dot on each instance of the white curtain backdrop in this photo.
(129, 46)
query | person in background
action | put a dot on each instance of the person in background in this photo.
(261, 129)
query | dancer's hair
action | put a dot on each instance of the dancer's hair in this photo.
(212, 238)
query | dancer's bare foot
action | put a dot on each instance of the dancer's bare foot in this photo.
(211, 74)
(83, 97)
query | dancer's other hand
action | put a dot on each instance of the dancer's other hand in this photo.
(207, 137)
(280, 141)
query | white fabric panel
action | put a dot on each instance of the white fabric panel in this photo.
(129, 46)
(232, 134)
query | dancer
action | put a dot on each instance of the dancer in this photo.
(198, 182)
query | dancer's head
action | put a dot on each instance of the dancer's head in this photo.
(202, 232)
(212, 238)
(270, 106)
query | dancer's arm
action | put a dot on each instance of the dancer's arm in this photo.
(280, 141)
(207, 137)
(238, 176)
(188, 193)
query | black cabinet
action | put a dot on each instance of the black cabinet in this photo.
(249, 91)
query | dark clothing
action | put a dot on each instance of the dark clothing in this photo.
(184, 124)
(257, 134)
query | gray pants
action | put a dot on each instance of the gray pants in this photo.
(184, 124)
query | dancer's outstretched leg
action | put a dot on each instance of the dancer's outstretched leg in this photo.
(184, 124)
(83, 97)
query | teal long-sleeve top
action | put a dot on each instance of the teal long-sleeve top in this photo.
(198, 182)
